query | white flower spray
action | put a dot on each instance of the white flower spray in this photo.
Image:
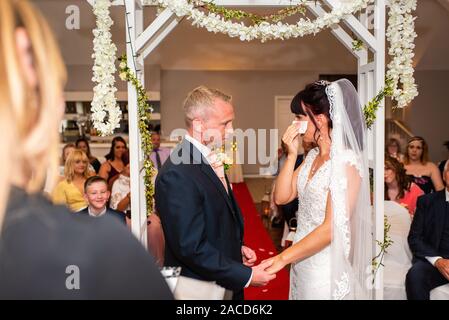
(104, 103)
(401, 35)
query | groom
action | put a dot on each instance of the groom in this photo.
(202, 222)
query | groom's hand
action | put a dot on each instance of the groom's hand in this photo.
(260, 276)
(248, 256)
(277, 263)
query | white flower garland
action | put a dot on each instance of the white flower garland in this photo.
(104, 102)
(263, 31)
(401, 35)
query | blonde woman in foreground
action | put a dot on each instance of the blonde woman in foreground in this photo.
(44, 250)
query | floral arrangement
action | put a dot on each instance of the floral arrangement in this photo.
(401, 35)
(225, 159)
(213, 22)
(144, 111)
(104, 103)
(232, 14)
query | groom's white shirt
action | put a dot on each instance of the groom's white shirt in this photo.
(205, 151)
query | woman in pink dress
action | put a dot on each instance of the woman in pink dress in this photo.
(399, 187)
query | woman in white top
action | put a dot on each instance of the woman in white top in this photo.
(121, 191)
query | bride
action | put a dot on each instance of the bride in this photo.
(331, 254)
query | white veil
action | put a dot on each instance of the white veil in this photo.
(351, 246)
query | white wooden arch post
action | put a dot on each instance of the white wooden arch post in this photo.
(371, 75)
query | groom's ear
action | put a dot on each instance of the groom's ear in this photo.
(197, 125)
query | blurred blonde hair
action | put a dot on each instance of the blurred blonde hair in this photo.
(199, 102)
(69, 168)
(29, 118)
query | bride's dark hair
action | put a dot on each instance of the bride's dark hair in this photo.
(315, 99)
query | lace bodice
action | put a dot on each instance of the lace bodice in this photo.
(310, 278)
(312, 196)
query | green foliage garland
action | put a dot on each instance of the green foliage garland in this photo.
(233, 14)
(372, 106)
(144, 111)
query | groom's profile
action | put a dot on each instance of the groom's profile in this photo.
(202, 222)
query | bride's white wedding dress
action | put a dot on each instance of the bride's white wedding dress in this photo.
(342, 270)
(310, 278)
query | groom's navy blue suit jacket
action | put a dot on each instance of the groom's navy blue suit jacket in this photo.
(203, 225)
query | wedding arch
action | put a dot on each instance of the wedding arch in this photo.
(367, 28)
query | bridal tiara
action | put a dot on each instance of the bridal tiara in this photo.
(323, 83)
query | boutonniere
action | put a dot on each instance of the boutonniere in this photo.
(224, 157)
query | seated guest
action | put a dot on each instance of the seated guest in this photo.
(394, 150)
(66, 150)
(121, 201)
(424, 173)
(445, 163)
(429, 243)
(159, 154)
(83, 144)
(97, 195)
(399, 187)
(70, 190)
(121, 190)
(113, 165)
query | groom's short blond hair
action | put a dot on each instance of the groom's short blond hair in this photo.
(200, 101)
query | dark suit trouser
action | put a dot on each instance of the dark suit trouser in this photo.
(421, 279)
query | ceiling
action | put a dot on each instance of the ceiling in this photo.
(189, 48)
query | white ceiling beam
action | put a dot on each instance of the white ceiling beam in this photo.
(356, 26)
(161, 20)
(340, 33)
(157, 39)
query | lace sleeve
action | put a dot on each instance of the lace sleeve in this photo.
(351, 159)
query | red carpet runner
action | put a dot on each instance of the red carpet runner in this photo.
(257, 238)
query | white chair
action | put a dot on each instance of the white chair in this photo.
(440, 293)
(398, 258)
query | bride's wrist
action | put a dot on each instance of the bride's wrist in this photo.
(284, 259)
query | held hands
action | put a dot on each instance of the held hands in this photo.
(260, 276)
(443, 266)
(291, 139)
(276, 264)
(249, 256)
